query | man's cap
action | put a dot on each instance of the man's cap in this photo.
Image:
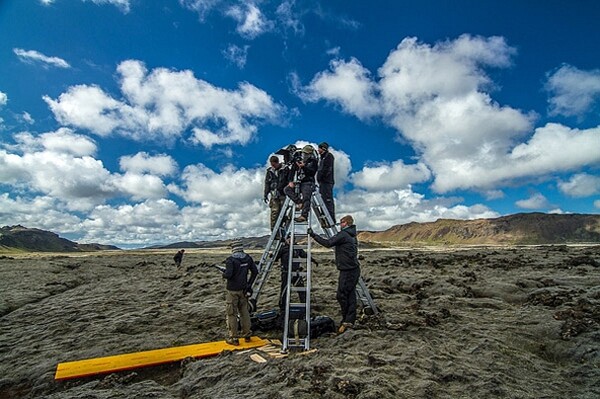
(274, 158)
(236, 245)
(308, 149)
(324, 146)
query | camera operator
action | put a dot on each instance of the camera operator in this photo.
(304, 168)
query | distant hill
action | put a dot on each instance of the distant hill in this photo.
(521, 228)
(26, 239)
(248, 242)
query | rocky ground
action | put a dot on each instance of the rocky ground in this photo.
(455, 323)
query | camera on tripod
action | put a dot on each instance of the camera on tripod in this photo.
(291, 154)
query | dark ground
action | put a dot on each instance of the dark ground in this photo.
(474, 323)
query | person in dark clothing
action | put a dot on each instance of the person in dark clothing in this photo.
(284, 256)
(325, 178)
(346, 261)
(275, 181)
(178, 257)
(239, 288)
(306, 170)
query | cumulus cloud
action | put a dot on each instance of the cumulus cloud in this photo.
(597, 204)
(142, 162)
(535, 201)
(42, 212)
(437, 97)
(572, 92)
(580, 185)
(390, 175)
(236, 55)
(3, 98)
(35, 57)
(382, 210)
(348, 84)
(62, 165)
(163, 104)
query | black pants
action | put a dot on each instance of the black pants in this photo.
(326, 191)
(346, 294)
(306, 189)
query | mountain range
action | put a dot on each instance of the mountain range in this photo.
(27, 239)
(517, 229)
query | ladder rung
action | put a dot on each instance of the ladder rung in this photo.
(297, 305)
(298, 289)
(299, 260)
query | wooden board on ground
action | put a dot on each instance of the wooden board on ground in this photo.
(129, 361)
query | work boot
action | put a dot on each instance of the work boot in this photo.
(232, 341)
(248, 339)
(299, 206)
(344, 327)
(300, 219)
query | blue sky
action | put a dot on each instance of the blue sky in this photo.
(135, 122)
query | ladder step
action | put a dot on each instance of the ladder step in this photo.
(298, 289)
(298, 305)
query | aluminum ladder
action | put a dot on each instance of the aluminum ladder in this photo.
(296, 327)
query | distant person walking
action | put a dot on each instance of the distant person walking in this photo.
(325, 178)
(239, 289)
(346, 261)
(178, 257)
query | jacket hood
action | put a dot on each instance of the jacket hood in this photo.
(351, 230)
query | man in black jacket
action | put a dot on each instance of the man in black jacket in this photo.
(346, 261)
(305, 169)
(239, 288)
(275, 181)
(325, 178)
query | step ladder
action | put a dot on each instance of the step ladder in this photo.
(330, 229)
(273, 247)
(296, 326)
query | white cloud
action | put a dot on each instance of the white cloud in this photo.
(236, 55)
(536, 201)
(349, 84)
(389, 176)
(40, 212)
(435, 96)
(572, 91)
(32, 56)
(382, 210)
(142, 162)
(202, 7)
(597, 204)
(580, 185)
(163, 104)
(47, 2)
(27, 118)
(251, 21)
(61, 165)
(123, 5)
(3, 98)
(289, 18)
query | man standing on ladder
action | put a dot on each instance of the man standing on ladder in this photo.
(275, 181)
(325, 178)
(346, 261)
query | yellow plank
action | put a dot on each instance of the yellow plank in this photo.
(128, 361)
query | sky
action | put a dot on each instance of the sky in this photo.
(137, 123)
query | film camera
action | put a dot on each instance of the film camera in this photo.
(291, 154)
